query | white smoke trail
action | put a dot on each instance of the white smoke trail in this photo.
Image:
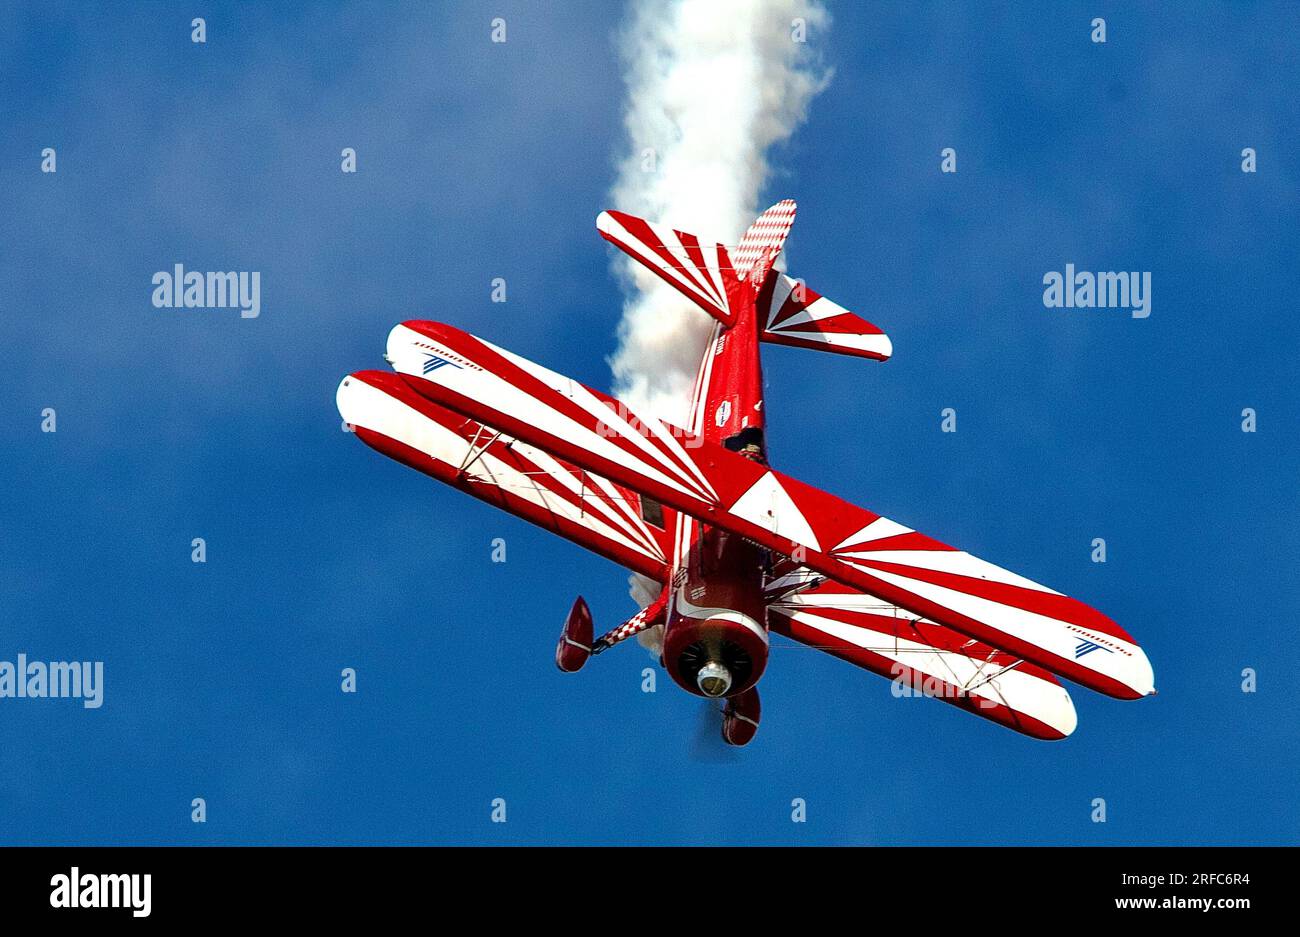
(711, 85)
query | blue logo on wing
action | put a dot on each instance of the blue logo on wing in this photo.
(434, 363)
(1087, 647)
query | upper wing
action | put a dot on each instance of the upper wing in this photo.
(838, 539)
(796, 315)
(608, 519)
(922, 657)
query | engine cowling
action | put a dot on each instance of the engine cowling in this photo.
(715, 637)
(715, 653)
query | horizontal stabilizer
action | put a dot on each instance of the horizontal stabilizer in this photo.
(696, 269)
(796, 315)
(849, 544)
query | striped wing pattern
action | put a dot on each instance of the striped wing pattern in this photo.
(837, 539)
(691, 266)
(530, 398)
(796, 315)
(521, 479)
(920, 656)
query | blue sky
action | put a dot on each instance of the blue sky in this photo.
(477, 161)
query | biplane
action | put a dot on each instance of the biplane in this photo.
(738, 550)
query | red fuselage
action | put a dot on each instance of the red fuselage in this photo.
(715, 635)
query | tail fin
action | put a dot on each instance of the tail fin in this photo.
(757, 250)
(790, 313)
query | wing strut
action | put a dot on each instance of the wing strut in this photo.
(993, 676)
(473, 454)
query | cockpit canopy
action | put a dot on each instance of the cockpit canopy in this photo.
(749, 443)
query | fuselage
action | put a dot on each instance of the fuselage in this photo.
(715, 635)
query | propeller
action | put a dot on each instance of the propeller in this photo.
(707, 744)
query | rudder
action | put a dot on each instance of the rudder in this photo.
(758, 249)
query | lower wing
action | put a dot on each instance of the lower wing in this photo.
(840, 540)
(921, 657)
(592, 511)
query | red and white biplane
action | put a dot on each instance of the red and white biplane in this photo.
(739, 550)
